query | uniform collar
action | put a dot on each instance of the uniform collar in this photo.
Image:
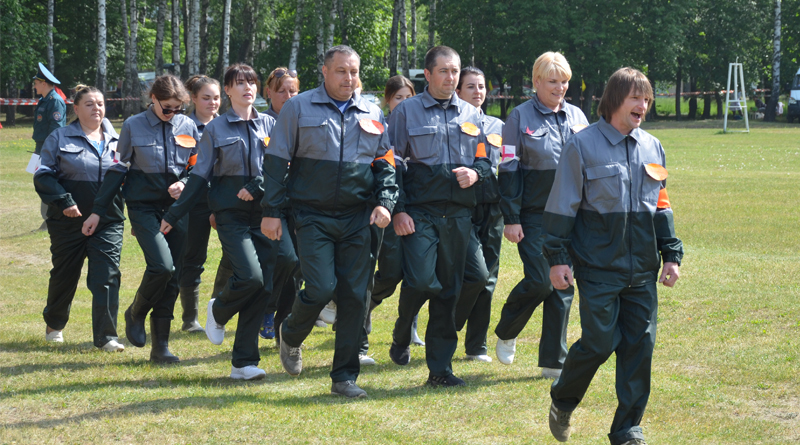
(613, 135)
(544, 109)
(152, 119)
(271, 112)
(233, 117)
(429, 101)
(75, 130)
(320, 96)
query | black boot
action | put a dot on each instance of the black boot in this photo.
(159, 329)
(190, 297)
(134, 320)
(221, 280)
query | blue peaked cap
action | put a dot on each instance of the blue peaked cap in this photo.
(45, 74)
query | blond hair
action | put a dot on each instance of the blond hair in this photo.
(551, 63)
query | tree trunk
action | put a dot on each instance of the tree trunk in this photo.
(403, 38)
(320, 41)
(204, 4)
(693, 98)
(653, 115)
(431, 24)
(246, 48)
(414, 55)
(393, 39)
(136, 90)
(176, 38)
(51, 59)
(707, 107)
(195, 65)
(678, 77)
(331, 25)
(720, 111)
(772, 105)
(186, 5)
(126, 82)
(100, 78)
(161, 17)
(225, 41)
(574, 91)
(298, 27)
(587, 102)
(11, 110)
(342, 21)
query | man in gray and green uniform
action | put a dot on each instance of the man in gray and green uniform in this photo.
(439, 136)
(609, 213)
(341, 165)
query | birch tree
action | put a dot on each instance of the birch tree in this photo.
(225, 42)
(176, 36)
(126, 83)
(194, 62)
(100, 79)
(342, 21)
(203, 54)
(158, 48)
(414, 54)
(298, 26)
(772, 105)
(431, 24)
(320, 42)
(403, 37)
(134, 69)
(331, 25)
(51, 11)
(393, 39)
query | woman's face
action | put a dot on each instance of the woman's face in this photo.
(206, 103)
(91, 110)
(473, 89)
(166, 109)
(289, 88)
(551, 90)
(401, 95)
(242, 92)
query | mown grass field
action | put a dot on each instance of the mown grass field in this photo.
(726, 368)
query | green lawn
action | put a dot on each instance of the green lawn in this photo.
(726, 365)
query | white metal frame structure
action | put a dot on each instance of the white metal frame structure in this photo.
(739, 100)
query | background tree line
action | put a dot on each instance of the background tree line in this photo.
(687, 43)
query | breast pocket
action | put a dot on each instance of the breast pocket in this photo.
(231, 157)
(424, 144)
(148, 155)
(538, 150)
(650, 186)
(603, 185)
(72, 162)
(312, 135)
(183, 149)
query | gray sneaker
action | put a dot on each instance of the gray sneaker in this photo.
(291, 358)
(349, 389)
(559, 423)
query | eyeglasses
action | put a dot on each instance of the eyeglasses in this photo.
(280, 73)
(167, 111)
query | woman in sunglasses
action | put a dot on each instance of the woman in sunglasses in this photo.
(231, 155)
(155, 149)
(282, 85)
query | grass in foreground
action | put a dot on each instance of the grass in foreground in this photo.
(725, 369)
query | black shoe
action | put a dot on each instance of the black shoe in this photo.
(134, 321)
(159, 330)
(190, 296)
(399, 355)
(560, 425)
(447, 382)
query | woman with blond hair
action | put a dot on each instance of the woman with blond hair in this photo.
(533, 138)
(154, 151)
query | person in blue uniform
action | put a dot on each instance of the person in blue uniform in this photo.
(75, 160)
(51, 113)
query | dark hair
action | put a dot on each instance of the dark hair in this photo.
(467, 70)
(439, 51)
(343, 49)
(619, 85)
(168, 87)
(395, 84)
(234, 72)
(82, 90)
(196, 83)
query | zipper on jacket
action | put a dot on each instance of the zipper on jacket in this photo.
(630, 209)
(341, 158)
(166, 159)
(560, 133)
(447, 132)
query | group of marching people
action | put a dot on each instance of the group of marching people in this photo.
(322, 202)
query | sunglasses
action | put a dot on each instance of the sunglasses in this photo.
(168, 111)
(281, 73)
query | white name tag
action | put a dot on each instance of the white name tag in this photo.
(509, 153)
(33, 164)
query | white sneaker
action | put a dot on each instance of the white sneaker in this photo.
(505, 350)
(480, 358)
(328, 313)
(551, 373)
(214, 331)
(320, 324)
(54, 337)
(366, 360)
(415, 338)
(113, 346)
(251, 372)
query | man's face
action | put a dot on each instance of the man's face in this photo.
(631, 113)
(341, 76)
(443, 79)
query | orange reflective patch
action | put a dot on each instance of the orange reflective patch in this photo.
(388, 157)
(192, 161)
(186, 141)
(663, 199)
(371, 126)
(578, 127)
(481, 151)
(495, 139)
(266, 141)
(656, 171)
(470, 129)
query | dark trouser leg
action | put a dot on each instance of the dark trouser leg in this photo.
(291, 289)
(390, 265)
(252, 256)
(613, 319)
(535, 285)
(224, 273)
(43, 206)
(489, 224)
(197, 232)
(284, 268)
(475, 278)
(68, 249)
(104, 249)
(375, 245)
(555, 319)
(163, 255)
